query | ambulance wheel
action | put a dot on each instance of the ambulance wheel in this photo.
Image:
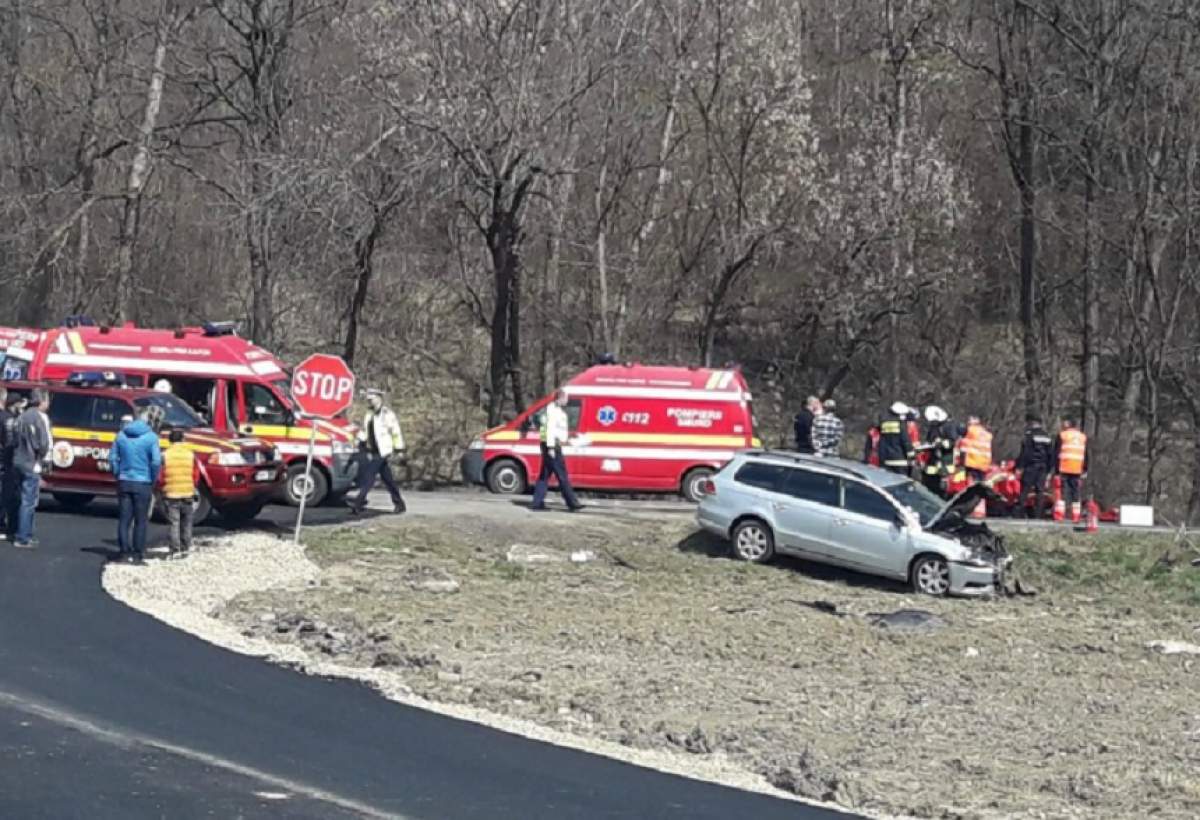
(506, 477)
(293, 488)
(73, 501)
(692, 487)
(241, 513)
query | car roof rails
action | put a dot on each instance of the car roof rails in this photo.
(815, 461)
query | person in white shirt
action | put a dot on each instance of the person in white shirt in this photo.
(555, 432)
(380, 439)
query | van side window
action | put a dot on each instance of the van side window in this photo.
(70, 410)
(763, 476)
(574, 410)
(261, 405)
(858, 498)
(107, 412)
(809, 486)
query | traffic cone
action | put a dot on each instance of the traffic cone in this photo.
(980, 511)
(1093, 516)
(1060, 506)
(1076, 512)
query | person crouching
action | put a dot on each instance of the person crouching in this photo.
(180, 476)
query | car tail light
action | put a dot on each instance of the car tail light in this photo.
(709, 487)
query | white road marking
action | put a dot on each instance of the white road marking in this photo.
(128, 740)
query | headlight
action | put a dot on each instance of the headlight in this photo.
(227, 459)
(476, 444)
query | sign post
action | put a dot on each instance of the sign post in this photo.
(322, 387)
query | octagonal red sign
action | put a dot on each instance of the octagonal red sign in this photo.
(322, 386)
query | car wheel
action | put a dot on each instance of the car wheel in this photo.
(931, 575)
(73, 501)
(753, 541)
(201, 509)
(293, 488)
(241, 513)
(506, 477)
(693, 483)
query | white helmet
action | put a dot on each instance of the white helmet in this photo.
(899, 408)
(935, 414)
(162, 386)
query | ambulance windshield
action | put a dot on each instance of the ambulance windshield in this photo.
(284, 386)
(176, 413)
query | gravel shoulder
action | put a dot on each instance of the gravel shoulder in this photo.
(630, 634)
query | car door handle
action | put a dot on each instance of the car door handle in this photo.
(840, 522)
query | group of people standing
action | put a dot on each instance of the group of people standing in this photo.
(946, 449)
(25, 445)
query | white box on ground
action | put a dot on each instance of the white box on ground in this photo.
(1137, 515)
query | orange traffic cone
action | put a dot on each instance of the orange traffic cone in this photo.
(1076, 512)
(1060, 506)
(1093, 516)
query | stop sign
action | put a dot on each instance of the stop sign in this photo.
(322, 386)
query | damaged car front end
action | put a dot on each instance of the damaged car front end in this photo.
(981, 564)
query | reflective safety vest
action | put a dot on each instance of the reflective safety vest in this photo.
(1072, 450)
(976, 447)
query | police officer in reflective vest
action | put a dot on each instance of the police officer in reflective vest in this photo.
(1034, 462)
(895, 446)
(1071, 458)
(555, 432)
(976, 449)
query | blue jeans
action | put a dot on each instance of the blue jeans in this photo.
(552, 462)
(26, 487)
(133, 498)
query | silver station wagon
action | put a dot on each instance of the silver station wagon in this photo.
(851, 515)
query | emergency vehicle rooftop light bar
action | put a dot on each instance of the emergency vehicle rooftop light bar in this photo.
(96, 378)
(78, 320)
(219, 329)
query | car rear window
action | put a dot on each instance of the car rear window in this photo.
(763, 476)
(858, 498)
(809, 486)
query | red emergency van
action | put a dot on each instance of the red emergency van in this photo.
(637, 428)
(234, 385)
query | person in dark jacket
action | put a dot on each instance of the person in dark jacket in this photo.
(895, 446)
(136, 461)
(10, 496)
(802, 425)
(31, 449)
(6, 431)
(941, 434)
(1034, 464)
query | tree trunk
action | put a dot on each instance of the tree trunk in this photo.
(364, 272)
(139, 169)
(1028, 252)
(502, 241)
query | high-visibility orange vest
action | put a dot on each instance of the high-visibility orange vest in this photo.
(976, 447)
(1072, 450)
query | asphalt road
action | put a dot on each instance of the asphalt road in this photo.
(107, 713)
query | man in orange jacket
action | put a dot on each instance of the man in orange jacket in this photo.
(1071, 461)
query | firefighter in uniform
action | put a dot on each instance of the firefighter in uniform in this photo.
(555, 432)
(1071, 459)
(1034, 463)
(895, 446)
(976, 449)
(940, 437)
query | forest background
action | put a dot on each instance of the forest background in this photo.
(984, 204)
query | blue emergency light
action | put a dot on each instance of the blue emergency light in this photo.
(219, 329)
(96, 378)
(79, 320)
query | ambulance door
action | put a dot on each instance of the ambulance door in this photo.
(579, 463)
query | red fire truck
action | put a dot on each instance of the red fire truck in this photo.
(636, 428)
(234, 385)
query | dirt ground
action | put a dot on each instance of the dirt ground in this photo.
(639, 630)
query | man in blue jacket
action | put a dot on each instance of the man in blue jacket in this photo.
(136, 461)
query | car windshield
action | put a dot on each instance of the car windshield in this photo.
(176, 413)
(918, 499)
(284, 386)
